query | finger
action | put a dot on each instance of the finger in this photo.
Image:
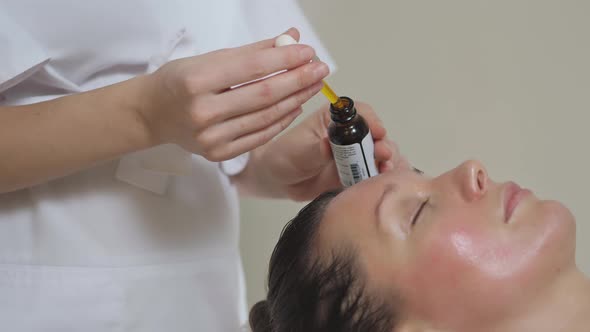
(251, 141)
(270, 91)
(322, 157)
(326, 149)
(386, 154)
(386, 166)
(395, 154)
(401, 163)
(373, 121)
(255, 121)
(294, 32)
(328, 179)
(383, 151)
(238, 68)
(397, 162)
(377, 130)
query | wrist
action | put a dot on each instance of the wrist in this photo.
(145, 106)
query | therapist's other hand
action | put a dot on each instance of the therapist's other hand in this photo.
(301, 159)
(191, 101)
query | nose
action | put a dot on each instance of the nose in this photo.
(473, 179)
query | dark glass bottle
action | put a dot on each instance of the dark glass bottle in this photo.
(352, 143)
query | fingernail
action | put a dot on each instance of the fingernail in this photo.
(306, 53)
(317, 86)
(320, 70)
(389, 165)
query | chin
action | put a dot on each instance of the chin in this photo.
(562, 241)
(559, 213)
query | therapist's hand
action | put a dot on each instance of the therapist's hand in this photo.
(190, 101)
(301, 160)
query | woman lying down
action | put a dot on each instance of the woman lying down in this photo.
(405, 252)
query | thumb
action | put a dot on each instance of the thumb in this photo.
(326, 149)
(318, 157)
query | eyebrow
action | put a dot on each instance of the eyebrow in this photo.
(390, 188)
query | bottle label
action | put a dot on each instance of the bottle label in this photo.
(355, 162)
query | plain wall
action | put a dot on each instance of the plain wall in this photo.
(506, 82)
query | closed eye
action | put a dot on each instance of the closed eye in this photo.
(417, 171)
(419, 212)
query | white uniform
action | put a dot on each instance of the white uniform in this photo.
(90, 252)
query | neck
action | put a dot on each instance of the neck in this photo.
(564, 306)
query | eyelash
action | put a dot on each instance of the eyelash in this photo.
(419, 211)
(417, 171)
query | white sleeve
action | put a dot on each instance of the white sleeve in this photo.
(20, 54)
(271, 17)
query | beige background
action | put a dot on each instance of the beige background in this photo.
(504, 81)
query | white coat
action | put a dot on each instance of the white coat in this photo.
(96, 253)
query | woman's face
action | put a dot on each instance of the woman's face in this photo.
(459, 249)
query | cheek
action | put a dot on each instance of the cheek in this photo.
(461, 246)
(462, 257)
(457, 246)
(445, 269)
(467, 264)
(445, 255)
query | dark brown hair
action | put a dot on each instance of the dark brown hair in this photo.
(306, 294)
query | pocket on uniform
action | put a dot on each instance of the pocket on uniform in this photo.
(65, 299)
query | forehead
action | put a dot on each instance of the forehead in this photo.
(351, 223)
(351, 215)
(366, 193)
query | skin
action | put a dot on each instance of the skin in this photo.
(463, 266)
(194, 103)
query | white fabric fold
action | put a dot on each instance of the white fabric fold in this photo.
(20, 54)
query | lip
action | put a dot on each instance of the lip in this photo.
(513, 195)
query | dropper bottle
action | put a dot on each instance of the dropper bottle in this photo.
(351, 142)
(349, 134)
